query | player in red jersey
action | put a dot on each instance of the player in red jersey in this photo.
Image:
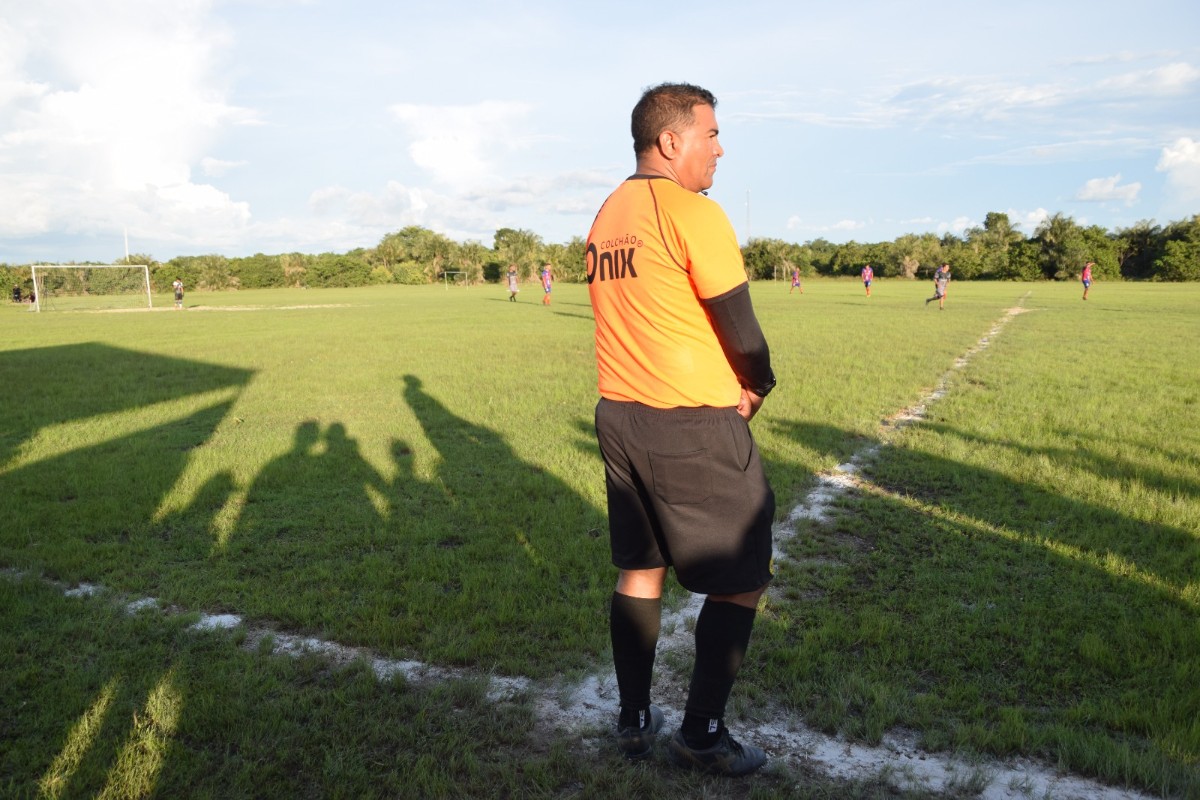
(547, 284)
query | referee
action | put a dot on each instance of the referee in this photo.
(683, 367)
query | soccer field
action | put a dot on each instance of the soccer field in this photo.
(411, 471)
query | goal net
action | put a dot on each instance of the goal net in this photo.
(91, 287)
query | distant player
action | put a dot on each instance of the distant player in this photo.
(796, 281)
(941, 279)
(868, 275)
(547, 284)
(513, 285)
(1086, 277)
(177, 286)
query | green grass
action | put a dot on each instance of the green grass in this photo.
(413, 470)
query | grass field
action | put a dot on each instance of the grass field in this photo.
(413, 471)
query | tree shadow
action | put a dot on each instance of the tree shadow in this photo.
(1091, 460)
(42, 387)
(116, 484)
(991, 614)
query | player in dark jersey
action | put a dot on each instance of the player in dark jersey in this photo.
(941, 280)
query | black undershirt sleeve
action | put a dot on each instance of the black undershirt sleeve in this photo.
(742, 339)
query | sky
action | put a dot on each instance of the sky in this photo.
(236, 127)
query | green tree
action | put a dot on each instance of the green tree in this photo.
(768, 259)
(567, 260)
(333, 269)
(1180, 258)
(821, 254)
(469, 259)
(1137, 248)
(994, 243)
(295, 269)
(1064, 249)
(913, 254)
(257, 271)
(1104, 250)
(965, 257)
(1180, 261)
(520, 247)
(209, 272)
(413, 245)
(848, 259)
(1024, 262)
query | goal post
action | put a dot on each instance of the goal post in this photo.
(77, 280)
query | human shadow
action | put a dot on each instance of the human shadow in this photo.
(514, 568)
(477, 557)
(313, 527)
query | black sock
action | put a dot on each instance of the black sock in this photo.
(722, 636)
(700, 732)
(634, 626)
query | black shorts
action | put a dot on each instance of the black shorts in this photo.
(686, 489)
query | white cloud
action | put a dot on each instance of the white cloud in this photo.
(126, 99)
(1181, 162)
(1107, 189)
(1028, 220)
(215, 167)
(797, 223)
(460, 145)
(396, 206)
(1169, 80)
(958, 226)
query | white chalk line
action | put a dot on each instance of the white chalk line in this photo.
(588, 708)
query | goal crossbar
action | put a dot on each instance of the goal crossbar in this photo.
(37, 287)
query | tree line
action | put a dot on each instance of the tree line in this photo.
(1057, 250)
(997, 250)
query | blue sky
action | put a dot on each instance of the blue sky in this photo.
(244, 126)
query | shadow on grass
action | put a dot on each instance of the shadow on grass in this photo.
(49, 386)
(996, 616)
(72, 510)
(490, 561)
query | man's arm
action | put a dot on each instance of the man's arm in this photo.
(742, 340)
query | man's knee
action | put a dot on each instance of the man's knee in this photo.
(745, 599)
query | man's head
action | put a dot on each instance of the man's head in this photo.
(674, 128)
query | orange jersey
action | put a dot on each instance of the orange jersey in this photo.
(654, 251)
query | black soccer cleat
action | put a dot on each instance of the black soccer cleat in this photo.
(636, 743)
(726, 757)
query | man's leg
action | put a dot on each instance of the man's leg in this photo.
(722, 636)
(636, 616)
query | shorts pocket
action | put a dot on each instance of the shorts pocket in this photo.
(682, 478)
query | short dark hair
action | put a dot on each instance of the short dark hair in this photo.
(666, 106)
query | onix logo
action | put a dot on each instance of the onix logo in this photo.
(609, 265)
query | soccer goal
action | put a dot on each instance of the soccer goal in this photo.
(88, 287)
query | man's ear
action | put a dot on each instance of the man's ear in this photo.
(668, 144)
